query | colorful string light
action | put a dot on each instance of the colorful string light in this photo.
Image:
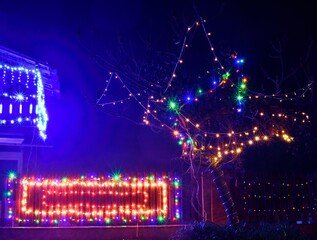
(91, 200)
(9, 194)
(290, 199)
(194, 109)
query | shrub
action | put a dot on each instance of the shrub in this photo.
(263, 231)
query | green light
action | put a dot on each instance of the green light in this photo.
(56, 221)
(189, 141)
(160, 219)
(243, 86)
(10, 211)
(125, 220)
(180, 142)
(239, 98)
(64, 179)
(37, 221)
(12, 175)
(82, 177)
(116, 177)
(20, 220)
(91, 219)
(108, 220)
(142, 218)
(172, 105)
(225, 75)
(178, 216)
(9, 194)
(199, 91)
(176, 183)
(175, 124)
(151, 178)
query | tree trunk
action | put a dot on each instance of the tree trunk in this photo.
(225, 195)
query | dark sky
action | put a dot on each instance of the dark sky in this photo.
(67, 34)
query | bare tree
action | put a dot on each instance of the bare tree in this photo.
(204, 100)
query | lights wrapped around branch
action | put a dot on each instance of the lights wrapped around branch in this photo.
(92, 200)
(214, 114)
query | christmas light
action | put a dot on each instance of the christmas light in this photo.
(21, 90)
(10, 183)
(262, 199)
(92, 200)
(223, 117)
(178, 106)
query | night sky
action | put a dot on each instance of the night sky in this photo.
(84, 138)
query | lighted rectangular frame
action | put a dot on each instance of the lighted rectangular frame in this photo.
(92, 200)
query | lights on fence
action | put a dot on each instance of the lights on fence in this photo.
(115, 199)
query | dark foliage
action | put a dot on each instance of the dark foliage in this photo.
(262, 231)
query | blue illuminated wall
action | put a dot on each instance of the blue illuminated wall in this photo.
(22, 98)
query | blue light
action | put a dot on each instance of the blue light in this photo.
(42, 114)
(34, 96)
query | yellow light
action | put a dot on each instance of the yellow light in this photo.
(287, 138)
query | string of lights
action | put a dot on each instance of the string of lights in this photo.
(22, 98)
(183, 111)
(292, 199)
(113, 199)
(214, 116)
